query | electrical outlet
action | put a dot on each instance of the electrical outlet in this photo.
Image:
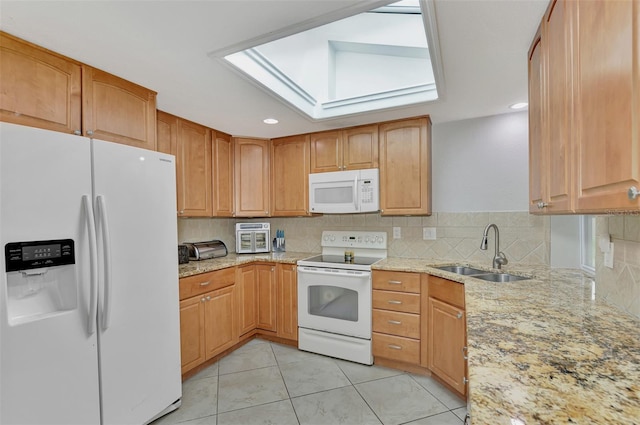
(397, 233)
(608, 257)
(429, 233)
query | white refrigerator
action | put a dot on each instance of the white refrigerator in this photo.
(89, 310)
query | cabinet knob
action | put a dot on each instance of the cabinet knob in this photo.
(465, 381)
(459, 315)
(89, 132)
(208, 297)
(542, 205)
(464, 353)
(202, 299)
(181, 212)
(633, 193)
(77, 132)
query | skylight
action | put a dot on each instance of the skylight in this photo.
(370, 61)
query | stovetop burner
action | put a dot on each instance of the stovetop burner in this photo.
(339, 259)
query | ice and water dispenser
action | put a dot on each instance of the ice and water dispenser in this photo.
(41, 279)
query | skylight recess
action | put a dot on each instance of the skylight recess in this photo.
(370, 61)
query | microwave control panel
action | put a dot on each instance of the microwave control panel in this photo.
(37, 254)
(366, 192)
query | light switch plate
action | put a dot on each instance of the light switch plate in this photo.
(397, 233)
(429, 233)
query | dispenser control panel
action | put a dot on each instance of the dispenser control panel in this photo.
(37, 254)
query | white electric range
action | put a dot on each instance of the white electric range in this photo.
(334, 295)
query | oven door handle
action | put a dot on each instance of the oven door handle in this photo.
(332, 272)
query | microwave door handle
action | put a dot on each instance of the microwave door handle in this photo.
(355, 193)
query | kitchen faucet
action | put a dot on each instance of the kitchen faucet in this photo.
(499, 259)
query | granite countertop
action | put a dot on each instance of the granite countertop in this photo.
(232, 259)
(541, 351)
(544, 351)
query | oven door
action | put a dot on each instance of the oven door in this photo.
(336, 301)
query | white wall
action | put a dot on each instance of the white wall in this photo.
(481, 164)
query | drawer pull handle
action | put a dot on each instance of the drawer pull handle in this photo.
(395, 282)
(464, 353)
(394, 347)
(394, 322)
(459, 315)
(205, 283)
(394, 302)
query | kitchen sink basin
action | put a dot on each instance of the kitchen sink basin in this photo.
(499, 277)
(463, 270)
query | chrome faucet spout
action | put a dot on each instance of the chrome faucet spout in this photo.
(499, 259)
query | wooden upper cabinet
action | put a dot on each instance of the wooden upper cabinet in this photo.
(166, 133)
(117, 110)
(290, 176)
(39, 88)
(607, 90)
(222, 172)
(193, 169)
(360, 147)
(537, 175)
(251, 177)
(405, 167)
(350, 149)
(558, 80)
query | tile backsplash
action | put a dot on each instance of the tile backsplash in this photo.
(524, 238)
(621, 285)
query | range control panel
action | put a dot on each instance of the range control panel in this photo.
(354, 239)
(37, 254)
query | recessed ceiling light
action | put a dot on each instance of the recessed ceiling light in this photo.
(519, 105)
(270, 121)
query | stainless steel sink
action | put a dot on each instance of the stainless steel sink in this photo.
(499, 277)
(463, 270)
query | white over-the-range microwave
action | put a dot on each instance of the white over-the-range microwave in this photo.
(343, 192)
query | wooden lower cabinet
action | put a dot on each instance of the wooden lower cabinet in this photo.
(208, 323)
(207, 326)
(267, 297)
(247, 298)
(287, 304)
(447, 336)
(396, 316)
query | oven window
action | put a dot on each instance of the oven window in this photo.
(261, 240)
(245, 241)
(333, 302)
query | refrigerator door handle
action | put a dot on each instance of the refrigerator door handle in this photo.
(93, 264)
(106, 247)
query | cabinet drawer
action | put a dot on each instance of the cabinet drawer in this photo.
(447, 291)
(396, 281)
(396, 301)
(396, 348)
(396, 323)
(205, 282)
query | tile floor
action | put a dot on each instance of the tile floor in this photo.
(268, 383)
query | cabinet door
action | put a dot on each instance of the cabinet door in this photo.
(192, 346)
(287, 305)
(194, 170)
(39, 88)
(405, 167)
(252, 177)
(222, 175)
(117, 110)
(607, 91)
(290, 176)
(166, 133)
(326, 151)
(537, 176)
(247, 287)
(220, 326)
(360, 147)
(558, 155)
(447, 339)
(267, 296)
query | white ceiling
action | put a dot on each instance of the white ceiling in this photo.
(164, 45)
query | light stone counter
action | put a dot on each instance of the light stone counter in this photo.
(231, 260)
(543, 351)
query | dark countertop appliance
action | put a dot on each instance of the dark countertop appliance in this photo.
(206, 250)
